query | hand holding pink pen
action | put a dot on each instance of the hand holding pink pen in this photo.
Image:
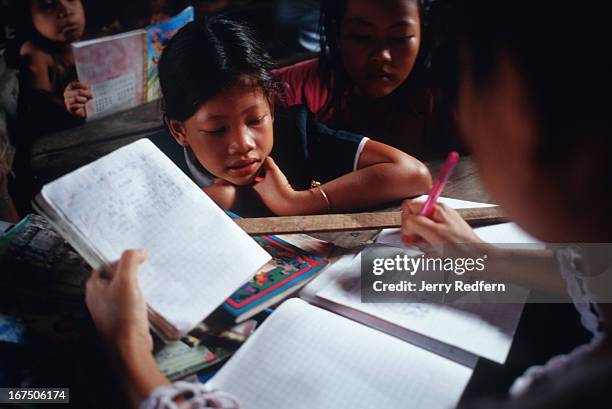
(428, 208)
(436, 190)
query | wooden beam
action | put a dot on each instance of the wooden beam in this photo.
(261, 226)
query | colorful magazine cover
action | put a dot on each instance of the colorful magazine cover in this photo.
(289, 268)
(158, 36)
(112, 67)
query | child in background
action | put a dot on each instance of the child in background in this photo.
(370, 77)
(51, 98)
(218, 97)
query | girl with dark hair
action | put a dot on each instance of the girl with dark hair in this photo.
(370, 76)
(51, 98)
(218, 97)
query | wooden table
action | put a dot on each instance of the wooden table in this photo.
(58, 153)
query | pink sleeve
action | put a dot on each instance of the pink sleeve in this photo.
(302, 85)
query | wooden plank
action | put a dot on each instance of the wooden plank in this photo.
(260, 226)
(145, 118)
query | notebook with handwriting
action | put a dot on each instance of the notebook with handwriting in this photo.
(462, 332)
(135, 197)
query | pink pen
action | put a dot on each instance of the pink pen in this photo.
(436, 191)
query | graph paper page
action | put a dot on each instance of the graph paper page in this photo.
(136, 197)
(306, 357)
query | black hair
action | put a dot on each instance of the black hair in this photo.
(331, 69)
(561, 51)
(206, 57)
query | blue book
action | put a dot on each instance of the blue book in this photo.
(157, 37)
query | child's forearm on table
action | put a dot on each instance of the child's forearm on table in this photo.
(377, 184)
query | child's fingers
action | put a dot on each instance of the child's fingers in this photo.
(71, 86)
(78, 85)
(69, 94)
(270, 165)
(78, 99)
(75, 107)
(273, 172)
(85, 93)
(416, 224)
(73, 97)
(441, 213)
(410, 208)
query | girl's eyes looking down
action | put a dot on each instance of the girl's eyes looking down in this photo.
(45, 4)
(370, 39)
(360, 38)
(403, 39)
(257, 121)
(218, 131)
(222, 129)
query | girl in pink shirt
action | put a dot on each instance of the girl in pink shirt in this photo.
(370, 77)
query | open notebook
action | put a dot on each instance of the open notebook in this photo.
(305, 357)
(326, 349)
(462, 332)
(135, 197)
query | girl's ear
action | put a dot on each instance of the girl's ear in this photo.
(177, 130)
